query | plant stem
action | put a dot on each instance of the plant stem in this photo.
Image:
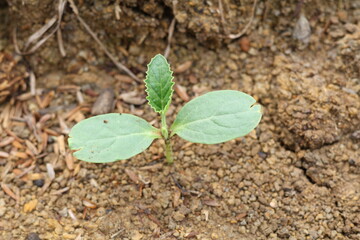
(165, 134)
(168, 151)
(164, 128)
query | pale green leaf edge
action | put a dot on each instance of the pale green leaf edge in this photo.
(155, 134)
(164, 110)
(175, 128)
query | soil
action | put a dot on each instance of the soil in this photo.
(297, 176)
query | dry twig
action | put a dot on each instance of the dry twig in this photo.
(37, 39)
(246, 28)
(93, 35)
(223, 21)
(9, 192)
(171, 33)
(117, 10)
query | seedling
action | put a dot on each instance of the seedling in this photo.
(212, 118)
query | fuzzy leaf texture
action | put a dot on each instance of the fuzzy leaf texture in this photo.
(111, 137)
(159, 84)
(217, 117)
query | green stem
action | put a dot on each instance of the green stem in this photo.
(168, 151)
(165, 134)
(164, 128)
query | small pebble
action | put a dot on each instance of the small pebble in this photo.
(356, 135)
(33, 236)
(273, 203)
(178, 216)
(104, 102)
(244, 43)
(39, 182)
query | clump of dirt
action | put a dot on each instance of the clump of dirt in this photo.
(315, 104)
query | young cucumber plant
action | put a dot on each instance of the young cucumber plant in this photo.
(212, 118)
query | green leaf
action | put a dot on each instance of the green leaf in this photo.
(217, 117)
(111, 137)
(159, 84)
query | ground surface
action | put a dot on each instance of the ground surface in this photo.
(297, 176)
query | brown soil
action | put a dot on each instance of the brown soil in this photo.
(295, 177)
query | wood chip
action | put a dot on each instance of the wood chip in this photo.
(26, 171)
(6, 169)
(64, 127)
(206, 213)
(69, 87)
(119, 107)
(17, 171)
(186, 145)
(21, 155)
(104, 103)
(4, 154)
(6, 141)
(191, 235)
(31, 147)
(94, 183)
(72, 216)
(28, 95)
(35, 176)
(9, 132)
(44, 119)
(45, 187)
(25, 164)
(69, 160)
(76, 169)
(78, 116)
(193, 79)
(38, 101)
(89, 204)
(133, 176)
(79, 97)
(17, 144)
(50, 171)
(181, 91)
(31, 122)
(5, 116)
(176, 198)
(132, 98)
(44, 141)
(51, 132)
(56, 149)
(241, 215)
(211, 203)
(152, 167)
(90, 92)
(183, 67)
(29, 153)
(61, 191)
(9, 192)
(47, 99)
(123, 78)
(61, 144)
(67, 115)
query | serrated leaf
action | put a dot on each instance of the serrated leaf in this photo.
(111, 137)
(159, 84)
(217, 117)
